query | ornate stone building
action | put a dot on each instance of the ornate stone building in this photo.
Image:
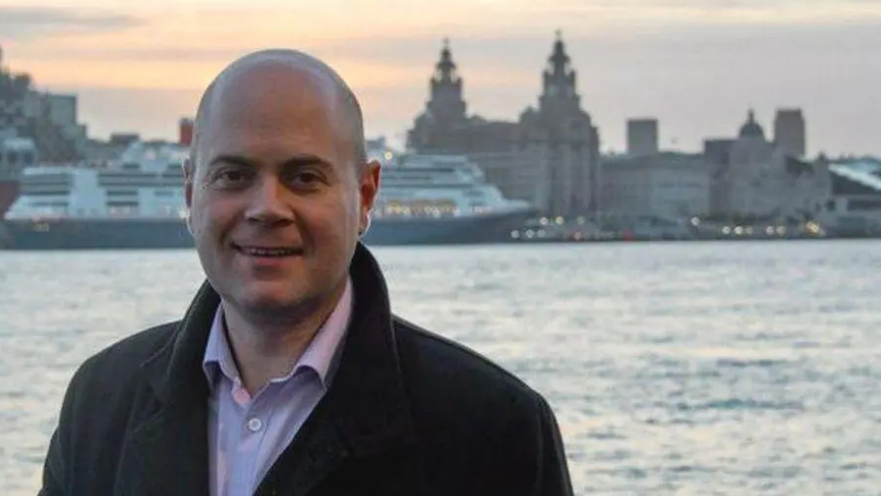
(444, 126)
(550, 157)
(760, 180)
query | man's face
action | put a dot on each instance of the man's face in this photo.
(277, 198)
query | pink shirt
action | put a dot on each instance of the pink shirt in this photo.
(247, 434)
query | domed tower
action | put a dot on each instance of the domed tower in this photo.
(446, 105)
(558, 85)
(751, 128)
(563, 142)
(444, 111)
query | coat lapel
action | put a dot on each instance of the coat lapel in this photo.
(167, 453)
(167, 456)
(367, 397)
(316, 451)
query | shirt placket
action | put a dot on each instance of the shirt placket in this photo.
(251, 433)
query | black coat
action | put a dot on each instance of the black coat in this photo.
(408, 413)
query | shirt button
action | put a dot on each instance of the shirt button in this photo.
(255, 425)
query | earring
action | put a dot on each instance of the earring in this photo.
(363, 230)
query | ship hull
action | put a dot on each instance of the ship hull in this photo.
(64, 234)
(491, 228)
(73, 234)
(9, 191)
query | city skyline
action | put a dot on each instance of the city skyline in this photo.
(696, 66)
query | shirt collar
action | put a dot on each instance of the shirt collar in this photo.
(320, 356)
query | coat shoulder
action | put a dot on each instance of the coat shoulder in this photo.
(121, 360)
(484, 428)
(443, 365)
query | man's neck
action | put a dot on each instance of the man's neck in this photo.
(264, 351)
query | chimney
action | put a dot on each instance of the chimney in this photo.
(185, 132)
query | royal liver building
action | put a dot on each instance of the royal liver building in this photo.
(550, 157)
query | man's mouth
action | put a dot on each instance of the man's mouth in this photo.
(267, 251)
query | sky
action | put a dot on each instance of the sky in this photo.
(697, 66)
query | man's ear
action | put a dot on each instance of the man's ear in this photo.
(188, 172)
(369, 188)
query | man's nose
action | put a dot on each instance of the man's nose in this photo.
(268, 203)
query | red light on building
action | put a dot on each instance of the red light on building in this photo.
(185, 132)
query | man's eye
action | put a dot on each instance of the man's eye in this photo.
(232, 176)
(308, 177)
(305, 179)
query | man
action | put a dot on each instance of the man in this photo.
(289, 375)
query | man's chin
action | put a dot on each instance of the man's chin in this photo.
(271, 303)
(275, 305)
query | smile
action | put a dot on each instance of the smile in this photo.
(266, 251)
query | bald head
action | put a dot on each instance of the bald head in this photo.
(281, 70)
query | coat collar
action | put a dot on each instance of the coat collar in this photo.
(367, 396)
(364, 411)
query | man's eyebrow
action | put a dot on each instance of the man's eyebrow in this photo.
(232, 159)
(303, 160)
(300, 160)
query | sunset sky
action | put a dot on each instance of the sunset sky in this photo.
(696, 65)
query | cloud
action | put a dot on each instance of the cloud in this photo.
(29, 22)
(708, 12)
(492, 60)
(91, 53)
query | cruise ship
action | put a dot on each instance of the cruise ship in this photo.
(15, 155)
(137, 202)
(439, 199)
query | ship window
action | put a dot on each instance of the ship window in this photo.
(120, 192)
(31, 191)
(27, 158)
(12, 157)
(863, 205)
